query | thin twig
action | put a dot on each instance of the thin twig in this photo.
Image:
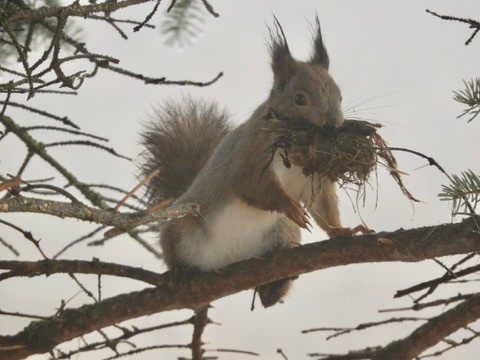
(435, 282)
(431, 162)
(126, 335)
(27, 235)
(79, 240)
(210, 9)
(88, 143)
(65, 120)
(343, 331)
(55, 189)
(439, 302)
(56, 128)
(6, 27)
(9, 247)
(473, 23)
(148, 18)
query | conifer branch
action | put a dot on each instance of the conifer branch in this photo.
(182, 22)
(470, 96)
(464, 191)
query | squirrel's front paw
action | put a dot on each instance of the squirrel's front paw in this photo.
(346, 231)
(297, 213)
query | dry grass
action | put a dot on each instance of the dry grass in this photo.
(347, 155)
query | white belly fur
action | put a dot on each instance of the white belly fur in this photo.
(238, 231)
(293, 181)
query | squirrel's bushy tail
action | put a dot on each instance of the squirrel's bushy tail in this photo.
(178, 139)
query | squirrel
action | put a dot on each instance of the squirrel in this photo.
(249, 205)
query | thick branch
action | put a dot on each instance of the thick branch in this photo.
(176, 291)
(432, 332)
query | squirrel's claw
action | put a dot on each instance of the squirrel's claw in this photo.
(346, 231)
(298, 214)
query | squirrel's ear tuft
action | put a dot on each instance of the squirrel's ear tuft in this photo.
(320, 56)
(282, 60)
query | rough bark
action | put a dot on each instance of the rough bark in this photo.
(432, 332)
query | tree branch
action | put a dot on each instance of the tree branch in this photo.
(75, 9)
(432, 332)
(49, 267)
(77, 210)
(180, 290)
(39, 149)
(435, 282)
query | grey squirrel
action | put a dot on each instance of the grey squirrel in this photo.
(248, 205)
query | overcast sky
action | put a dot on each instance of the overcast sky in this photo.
(394, 63)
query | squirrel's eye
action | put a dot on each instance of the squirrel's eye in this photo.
(300, 99)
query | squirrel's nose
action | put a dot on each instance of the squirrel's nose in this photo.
(334, 120)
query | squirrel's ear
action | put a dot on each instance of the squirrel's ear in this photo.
(282, 60)
(320, 56)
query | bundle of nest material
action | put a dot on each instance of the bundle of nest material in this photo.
(347, 155)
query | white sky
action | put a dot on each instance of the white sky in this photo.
(395, 64)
